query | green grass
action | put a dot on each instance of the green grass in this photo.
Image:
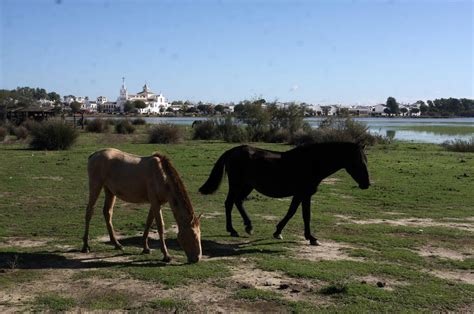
(43, 196)
(54, 302)
(108, 300)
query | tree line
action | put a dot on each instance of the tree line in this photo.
(27, 96)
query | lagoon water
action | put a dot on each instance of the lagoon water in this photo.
(384, 126)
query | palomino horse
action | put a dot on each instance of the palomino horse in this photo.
(296, 173)
(135, 179)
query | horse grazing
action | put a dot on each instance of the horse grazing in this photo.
(135, 179)
(296, 173)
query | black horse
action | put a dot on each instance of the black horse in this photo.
(296, 172)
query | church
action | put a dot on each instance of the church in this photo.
(156, 103)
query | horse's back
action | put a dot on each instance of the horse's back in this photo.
(125, 175)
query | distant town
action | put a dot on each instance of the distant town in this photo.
(26, 101)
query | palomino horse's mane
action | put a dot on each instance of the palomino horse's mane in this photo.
(178, 185)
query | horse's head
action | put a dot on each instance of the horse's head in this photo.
(356, 166)
(189, 237)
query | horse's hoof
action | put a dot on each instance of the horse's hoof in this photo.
(146, 251)
(234, 234)
(85, 250)
(278, 236)
(119, 247)
(249, 229)
(166, 259)
(314, 242)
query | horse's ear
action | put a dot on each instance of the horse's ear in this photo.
(196, 220)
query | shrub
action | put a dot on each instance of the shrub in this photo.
(124, 127)
(138, 121)
(278, 136)
(3, 133)
(97, 126)
(337, 129)
(30, 124)
(257, 133)
(205, 130)
(52, 135)
(230, 131)
(458, 145)
(165, 133)
(20, 132)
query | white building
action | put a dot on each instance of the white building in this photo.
(379, 110)
(156, 103)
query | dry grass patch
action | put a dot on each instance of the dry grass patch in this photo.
(328, 250)
(410, 222)
(17, 242)
(458, 255)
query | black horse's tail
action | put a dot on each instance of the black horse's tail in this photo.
(215, 178)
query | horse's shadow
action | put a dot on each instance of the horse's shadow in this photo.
(73, 259)
(212, 249)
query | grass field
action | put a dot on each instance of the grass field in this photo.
(405, 244)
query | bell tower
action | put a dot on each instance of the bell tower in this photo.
(123, 91)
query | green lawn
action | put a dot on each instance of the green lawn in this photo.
(420, 200)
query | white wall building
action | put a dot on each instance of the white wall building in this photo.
(156, 103)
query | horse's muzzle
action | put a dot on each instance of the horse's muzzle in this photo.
(364, 186)
(193, 260)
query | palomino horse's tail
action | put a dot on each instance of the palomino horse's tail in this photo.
(215, 178)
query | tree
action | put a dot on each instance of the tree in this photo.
(53, 96)
(423, 109)
(392, 105)
(219, 108)
(139, 104)
(75, 106)
(129, 106)
(403, 110)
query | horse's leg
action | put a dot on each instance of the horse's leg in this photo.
(94, 191)
(229, 203)
(161, 226)
(306, 204)
(239, 202)
(108, 211)
(149, 221)
(295, 202)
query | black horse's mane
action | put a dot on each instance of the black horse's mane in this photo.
(324, 145)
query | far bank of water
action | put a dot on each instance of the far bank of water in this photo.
(396, 128)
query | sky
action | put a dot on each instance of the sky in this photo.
(321, 52)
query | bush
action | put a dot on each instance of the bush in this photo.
(138, 121)
(52, 135)
(21, 132)
(458, 145)
(230, 131)
(278, 136)
(124, 127)
(165, 133)
(337, 129)
(257, 133)
(205, 130)
(30, 124)
(3, 133)
(97, 126)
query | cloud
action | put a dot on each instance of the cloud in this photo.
(294, 88)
